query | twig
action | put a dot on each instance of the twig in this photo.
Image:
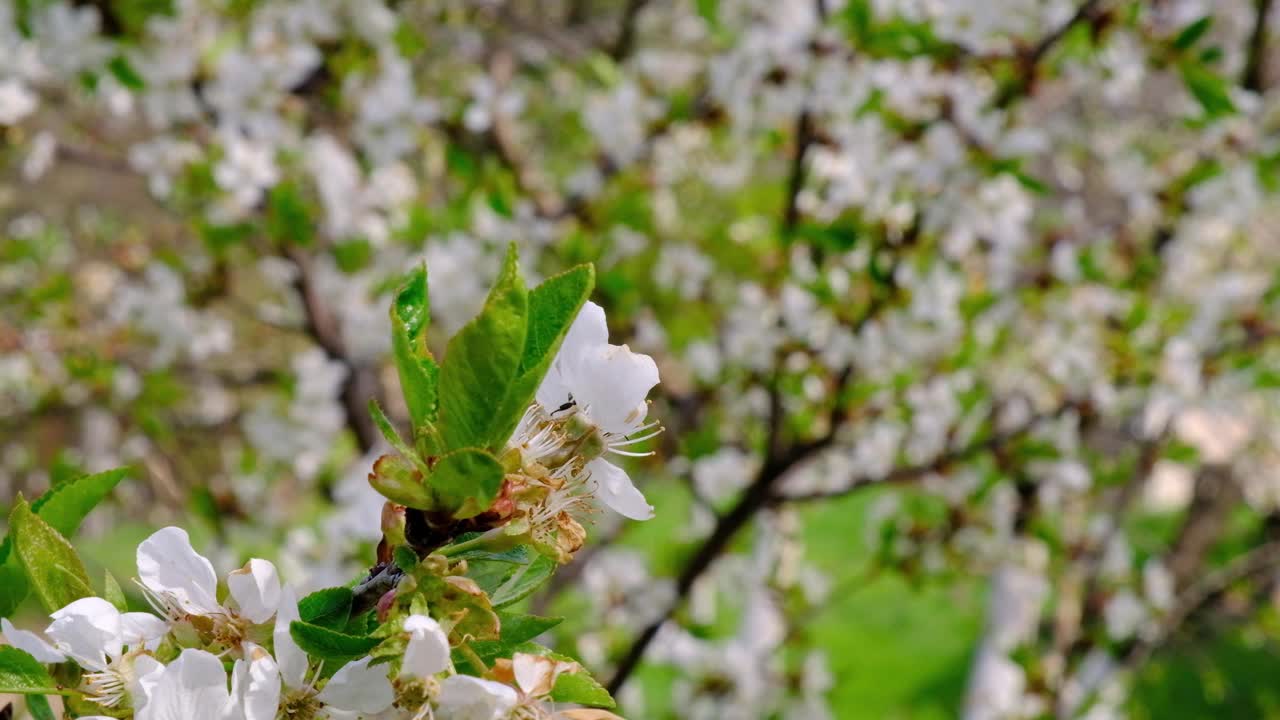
(1200, 594)
(1256, 63)
(625, 42)
(756, 497)
(1029, 61)
(939, 464)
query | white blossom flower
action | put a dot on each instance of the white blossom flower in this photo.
(16, 101)
(428, 650)
(30, 643)
(181, 582)
(109, 644)
(463, 697)
(192, 687)
(605, 385)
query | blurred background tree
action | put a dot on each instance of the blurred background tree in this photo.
(966, 314)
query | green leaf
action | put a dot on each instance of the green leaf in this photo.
(13, 587)
(419, 373)
(112, 593)
(65, 505)
(516, 630)
(24, 675)
(288, 219)
(329, 608)
(396, 479)
(38, 706)
(553, 306)
(481, 363)
(1192, 33)
(465, 482)
(326, 644)
(392, 437)
(524, 581)
(352, 255)
(581, 689)
(56, 573)
(119, 67)
(1209, 89)
(405, 558)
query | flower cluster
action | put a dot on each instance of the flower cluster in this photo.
(172, 665)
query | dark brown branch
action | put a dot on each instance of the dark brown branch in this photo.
(625, 42)
(1028, 62)
(1216, 494)
(1201, 594)
(756, 497)
(939, 464)
(795, 181)
(361, 383)
(1255, 68)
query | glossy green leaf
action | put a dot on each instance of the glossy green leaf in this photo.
(13, 587)
(524, 581)
(329, 608)
(67, 504)
(38, 706)
(581, 689)
(24, 675)
(465, 482)
(392, 437)
(481, 364)
(112, 593)
(327, 644)
(396, 479)
(55, 571)
(553, 306)
(418, 370)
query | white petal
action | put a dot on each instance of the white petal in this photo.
(611, 382)
(167, 564)
(463, 697)
(588, 331)
(147, 672)
(428, 649)
(193, 687)
(292, 661)
(614, 488)
(536, 675)
(31, 643)
(554, 390)
(256, 589)
(142, 629)
(87, 630)
(255, 685)
(531, 671)
(359, 687)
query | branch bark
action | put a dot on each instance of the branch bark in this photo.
(361, 382)
(1255, 68)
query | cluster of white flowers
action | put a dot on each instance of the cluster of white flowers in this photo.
(171, 665)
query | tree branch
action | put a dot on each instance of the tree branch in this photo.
(1201, 594)
(361, 382)
(1028, 62)
(1254, 77)
(625, 42)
